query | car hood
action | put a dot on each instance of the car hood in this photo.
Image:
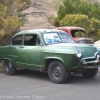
(83, 38)
(87, 50)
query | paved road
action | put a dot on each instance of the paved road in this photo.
(30, 85)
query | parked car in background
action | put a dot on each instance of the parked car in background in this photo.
(52, 51)
(78, 34)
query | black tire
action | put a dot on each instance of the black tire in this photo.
(8, 68)
(57, 73)
(90, 73)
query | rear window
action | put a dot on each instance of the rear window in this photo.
(17, 40)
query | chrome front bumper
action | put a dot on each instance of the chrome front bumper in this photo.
(90, 61)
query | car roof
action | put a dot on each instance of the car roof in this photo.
(70, 27)
(37, 31)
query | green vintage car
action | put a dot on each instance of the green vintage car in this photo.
(52, 51)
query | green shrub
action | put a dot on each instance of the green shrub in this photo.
(94, 30)
(11, 15)
(75, 20)
(91, 9)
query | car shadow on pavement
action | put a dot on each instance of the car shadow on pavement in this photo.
(72, 79)
(32, 74)
(79, 79)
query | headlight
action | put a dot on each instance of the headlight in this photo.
(78, 53)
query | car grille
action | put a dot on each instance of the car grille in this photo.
(91, 60)
(88, 41)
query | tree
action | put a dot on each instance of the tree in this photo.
(94, 30)
(7, 24)
(10, 15)
(2, 20)
(76, 20)
(15, 6)
(92, 10)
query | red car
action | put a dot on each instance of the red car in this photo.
(78, 34)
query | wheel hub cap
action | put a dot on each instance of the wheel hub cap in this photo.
(8, 66)
(57, 72)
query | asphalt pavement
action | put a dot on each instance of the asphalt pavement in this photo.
(31, 85)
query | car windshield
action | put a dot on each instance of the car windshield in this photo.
(78, 33)
(54, 37)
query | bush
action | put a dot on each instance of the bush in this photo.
(91, 9)
(75, 20)
(10, 15)
(12, 24)
(7, 24)
(94, 30)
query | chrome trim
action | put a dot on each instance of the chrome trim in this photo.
(90, 62)
(96, 56)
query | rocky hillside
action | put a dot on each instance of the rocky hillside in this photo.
(38, 13)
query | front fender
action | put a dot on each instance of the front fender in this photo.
(53, 58)
(68, 60)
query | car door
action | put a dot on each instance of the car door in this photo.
(30, 52)
(18, 43)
